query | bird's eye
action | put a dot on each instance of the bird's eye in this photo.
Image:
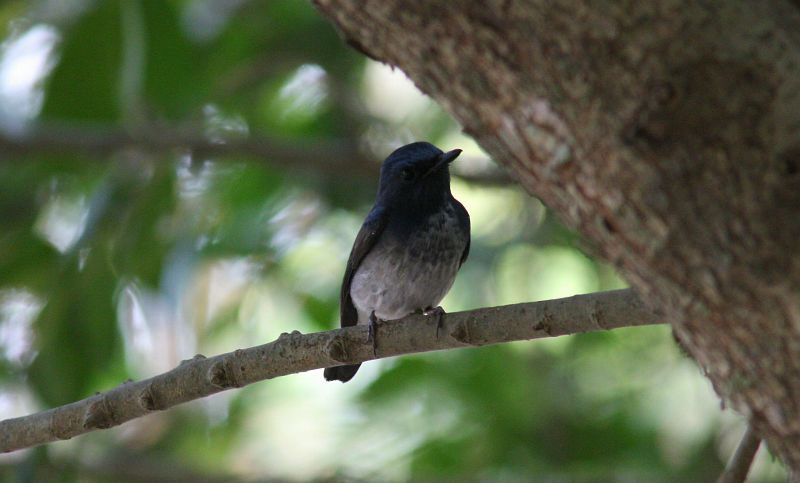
(407, 174)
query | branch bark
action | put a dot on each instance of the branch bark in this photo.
(295, 352)
(742, 459)
(666, 133)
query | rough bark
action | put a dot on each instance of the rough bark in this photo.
(667, 133)
(295, 352)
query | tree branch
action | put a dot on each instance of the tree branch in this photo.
(328, 156)
(740, 462)
(333, 157)
(295, 352)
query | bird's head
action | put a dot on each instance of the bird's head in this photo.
(417, 173)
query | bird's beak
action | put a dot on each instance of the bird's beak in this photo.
(449, 156)
(445, 158)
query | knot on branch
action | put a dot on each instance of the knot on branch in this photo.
(59, 424)
(222, 373)
(462, 333)
(197, 357)
(337, 350)
(217, 376)
(545, 324)
(98, 415)
(146, 399)
(293, 334)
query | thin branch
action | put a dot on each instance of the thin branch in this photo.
(295, 352)
(328, 156)
(332, 157)
(740, 462)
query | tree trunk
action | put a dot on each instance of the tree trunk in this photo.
(666, 133)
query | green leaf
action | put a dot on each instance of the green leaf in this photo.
(76, 333)
(140, 243)
(174, 83)
(83, 85)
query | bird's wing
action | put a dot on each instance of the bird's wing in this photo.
(463, 217)
(464, 255)
(370, 231)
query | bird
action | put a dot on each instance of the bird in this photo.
(412, 243)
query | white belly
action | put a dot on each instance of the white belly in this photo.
(396, 279)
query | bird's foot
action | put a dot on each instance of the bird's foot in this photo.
(439, 313)
(371, 333)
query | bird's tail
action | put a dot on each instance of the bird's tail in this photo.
(341, 373)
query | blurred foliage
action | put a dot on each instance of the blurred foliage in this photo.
(119, 262)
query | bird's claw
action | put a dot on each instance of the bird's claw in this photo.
(371, 333)
(439, 313)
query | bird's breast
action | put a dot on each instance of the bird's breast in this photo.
(409, 269)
